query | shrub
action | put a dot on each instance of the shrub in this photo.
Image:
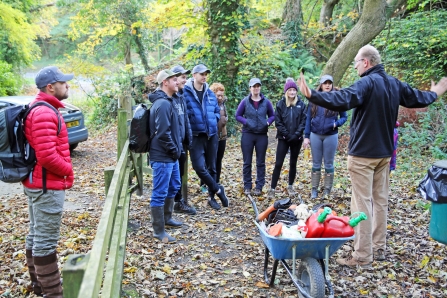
(9, 81)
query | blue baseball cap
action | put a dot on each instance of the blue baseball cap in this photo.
(254, 81)
(200, 68)
(51, 75)
(180, 69)
(326, 78)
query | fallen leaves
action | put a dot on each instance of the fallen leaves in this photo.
(220, 253)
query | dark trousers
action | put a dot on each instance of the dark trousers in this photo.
(220, 155)
(181, 162)
(203, 158)
(281, 151)
(250, 142)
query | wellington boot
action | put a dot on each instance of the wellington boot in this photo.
(35, 285)
(328, 181)
(168, 209)
(315, 180)
(158, 224)
(48, 275)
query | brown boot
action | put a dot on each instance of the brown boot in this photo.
(48, 275)
(35, 285)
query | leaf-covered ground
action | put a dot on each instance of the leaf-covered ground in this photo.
(220, 253)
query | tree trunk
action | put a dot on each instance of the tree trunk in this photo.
(327, 10)
(141, 50)
(292, 12)
(371, 23)
(224, 32)
(395, 7)
(127, 56)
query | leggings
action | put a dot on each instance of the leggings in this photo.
(323, 147)
(281, 151)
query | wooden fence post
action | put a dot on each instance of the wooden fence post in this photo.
(73, 273)
(108, 175)
(122, 130)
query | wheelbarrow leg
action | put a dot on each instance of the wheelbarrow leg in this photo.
(269, 281)
(327, 277)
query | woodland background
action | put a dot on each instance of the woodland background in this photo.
(115, 48)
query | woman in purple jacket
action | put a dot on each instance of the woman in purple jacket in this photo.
(256, 114)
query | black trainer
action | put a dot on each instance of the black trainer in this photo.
(223, 198)
(183, 207)
(213, 203)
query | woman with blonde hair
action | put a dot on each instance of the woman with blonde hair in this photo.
(290, 120)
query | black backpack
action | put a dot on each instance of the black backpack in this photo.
(140, 136)
(17, 157)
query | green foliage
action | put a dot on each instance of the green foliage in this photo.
(9, 81)
(415, 48)
(17, 36)
(426, 137)
(108, 92)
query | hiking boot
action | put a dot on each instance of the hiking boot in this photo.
(257, 192)
(351, 262)
(271, 194)
(183, 207)
(213, 203)
(379, 255)
(223, 198)
(291, 191)
(247, 191)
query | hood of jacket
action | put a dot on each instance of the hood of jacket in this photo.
(190, 85)
(157, 94)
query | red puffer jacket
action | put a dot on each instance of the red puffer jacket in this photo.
(52, 149)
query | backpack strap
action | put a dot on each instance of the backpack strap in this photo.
(43, 103)
(59, 126)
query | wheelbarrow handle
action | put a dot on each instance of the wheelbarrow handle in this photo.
(263, 215)
(255, 208)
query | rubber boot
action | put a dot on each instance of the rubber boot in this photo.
(169, 221)
(158, 224)
(35, 285)
(328, 181)
(48, 275)
(316, 176)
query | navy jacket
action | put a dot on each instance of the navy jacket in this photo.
(179, 104)
(166, 145)
(290, 120)
(203, 116)
(323, 122)
(375, 99)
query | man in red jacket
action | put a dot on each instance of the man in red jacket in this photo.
(45, 187)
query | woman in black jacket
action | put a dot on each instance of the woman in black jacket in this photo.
(290, 120)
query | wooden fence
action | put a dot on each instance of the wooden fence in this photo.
(101, 270)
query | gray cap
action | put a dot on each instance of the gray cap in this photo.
(51, 75)
(200, 68)
(165, 74)
(326, 78)
(180, 69)
(254, 81)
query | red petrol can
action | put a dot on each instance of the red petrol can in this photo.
(341, 226)
(315, 223)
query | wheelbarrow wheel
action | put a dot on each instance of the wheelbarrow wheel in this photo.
(311, 276)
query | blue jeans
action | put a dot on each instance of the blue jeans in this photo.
(165, 182)
(45, 215)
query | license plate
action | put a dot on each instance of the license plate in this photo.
(72, 124)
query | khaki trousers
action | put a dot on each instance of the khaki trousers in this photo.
(370, 187)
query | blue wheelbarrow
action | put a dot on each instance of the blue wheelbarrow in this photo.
(312, 274)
